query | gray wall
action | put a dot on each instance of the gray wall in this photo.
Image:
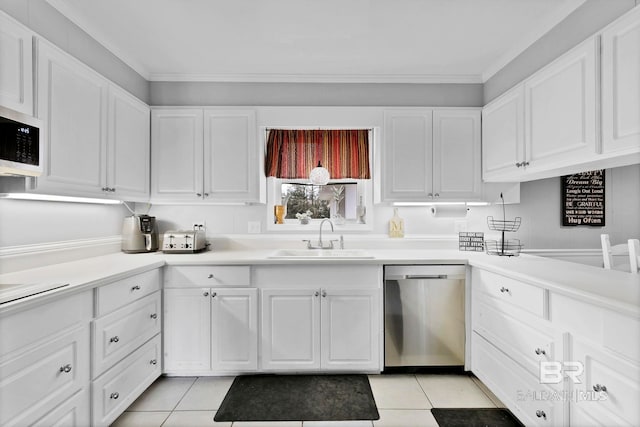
(53, 26)
(585, 21)
(316, 94)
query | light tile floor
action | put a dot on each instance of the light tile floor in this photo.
(402, 400)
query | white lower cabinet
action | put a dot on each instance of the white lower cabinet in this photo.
(42, 377)
(318, 328)
(210, 330)
(114, 391)
(74, 411)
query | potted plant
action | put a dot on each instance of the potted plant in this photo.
(304, 217)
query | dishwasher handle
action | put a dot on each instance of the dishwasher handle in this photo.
(425, 276)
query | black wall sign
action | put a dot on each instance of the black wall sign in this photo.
(583, 199)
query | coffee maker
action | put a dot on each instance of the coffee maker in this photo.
(139, 234)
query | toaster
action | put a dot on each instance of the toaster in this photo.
(184, 241)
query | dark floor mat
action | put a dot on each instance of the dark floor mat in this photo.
(298, 398)
(475, 417)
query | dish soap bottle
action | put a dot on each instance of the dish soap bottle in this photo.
(396, 225)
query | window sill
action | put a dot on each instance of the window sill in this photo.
(314, 225)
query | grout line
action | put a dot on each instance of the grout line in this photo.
(180, 400)
(425, 393)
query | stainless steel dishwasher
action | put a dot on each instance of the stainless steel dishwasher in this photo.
(424, 315)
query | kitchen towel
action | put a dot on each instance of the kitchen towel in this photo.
(298, 398)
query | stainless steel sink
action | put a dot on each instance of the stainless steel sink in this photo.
(321, 254)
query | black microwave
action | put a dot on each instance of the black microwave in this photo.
(20, 144)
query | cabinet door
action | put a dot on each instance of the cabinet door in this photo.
(128, 147)
(621, 85)
(231, 172)
(73, 412)
(290, 329)
(350, 329)
(560, 103)
(234, 329)
(187, 330)
(408, 155)
(456, 155)
(16, 82)
(72, 102)
(503, 135)
(176, 155)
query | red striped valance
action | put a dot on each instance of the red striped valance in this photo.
(292, 153)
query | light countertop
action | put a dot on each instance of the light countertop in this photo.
(614, 289)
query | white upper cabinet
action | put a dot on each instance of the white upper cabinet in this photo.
(431, 155)
(128, 146)
(96, 135)
(176, 155)
(16, 71)
(560, 108)
(621, 85)
(205, 156)
(231, 155)
(503, 134)
(72, 103)
(408, 155)
(456, 154)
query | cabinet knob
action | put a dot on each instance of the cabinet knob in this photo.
(114, 339)
(525, 163)
(210, 276)
(437, 195)
(519, 164)
(66, 368)
(540, 351)
(154, 315)
(503, 289)
(135, 288)
(153, 361)
(600, 387)
(105, 189)
(324, 293)
(430, 195)
(206, 294)
(199, 194)
(316, 293)
(115, 395)
(214, 294)
(206, 194)
(541, 414)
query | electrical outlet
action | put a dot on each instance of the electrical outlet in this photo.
(254, 227)
(460, 226)
(199, 225)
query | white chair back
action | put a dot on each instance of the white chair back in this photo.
(611, 254)
(634, 255)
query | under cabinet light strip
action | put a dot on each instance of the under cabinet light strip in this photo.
(427, 204)
(52, 198)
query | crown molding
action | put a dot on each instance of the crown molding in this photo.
(318, 78)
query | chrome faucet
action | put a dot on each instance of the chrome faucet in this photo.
(321, 245)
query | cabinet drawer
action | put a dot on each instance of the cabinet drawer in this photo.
(532, 403)
(207, 276)
(511, 291)
(620, 378)
(37, 380)
(73, 412)
(118, 294)
(114, 391)
(121, 332)
(522, 341)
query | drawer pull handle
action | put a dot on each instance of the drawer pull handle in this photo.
(541, 414)
(114, 339)
(66, 368)
(154, 316)
(135, 288)
(114, 395)
(214, 294)
(206, 294)
(600, 387)
(503, 289)
(153, 361)
(540, 351)
(210, 276)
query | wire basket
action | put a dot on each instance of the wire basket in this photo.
(511, 247)
(504, 225)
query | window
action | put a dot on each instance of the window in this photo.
(346, 199)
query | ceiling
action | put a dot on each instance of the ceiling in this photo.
(409, 41)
